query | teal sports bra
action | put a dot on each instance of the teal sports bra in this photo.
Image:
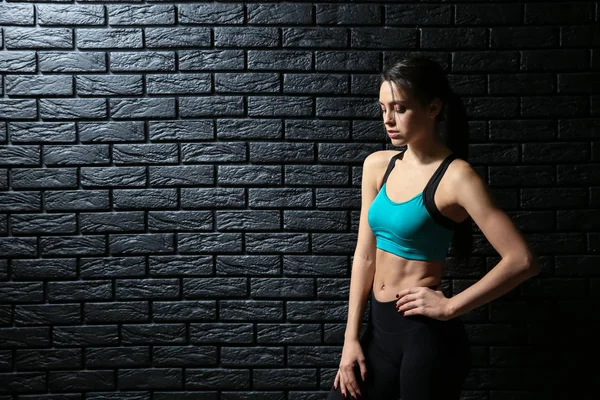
(414, 229)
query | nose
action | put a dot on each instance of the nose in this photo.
(389, 117)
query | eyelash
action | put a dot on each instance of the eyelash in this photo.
(398, 110)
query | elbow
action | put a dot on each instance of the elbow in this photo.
(531, 264)
(525, 263)
(365, 260)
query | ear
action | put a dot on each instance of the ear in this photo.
(434, 108)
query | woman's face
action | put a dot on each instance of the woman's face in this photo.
(404, 118)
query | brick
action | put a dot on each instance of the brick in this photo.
(76, 199)
(17, 109)
(42, 178)
(51, 314)
(16, 14)
(206, 60)
(59, 14)
(524, 37)
(177, 37)
(136, 334)
(180, 131)
(294, 60)
(188, 356)
(211, 105)
(111, 132)
(79, 290)
(147, 61)
(138, 14)
(72, 108)
(274, 14)
(559, 13)
(47, 132)
(178, 84)
(113, 267)
(18, 61)
(140, 244)
(419, 14)
(27, 360)
(81, 380)
(81, 61)
(110, 312)
(231, 14)
(221, 378)
(48, 268)
(384, 38)
(254, 81)
(314, 37)
(492, 14)
(142, 108)
(117, 357)
(25, 85)
(459, 38)
(38, 38)
(76, 154)
(111, 85)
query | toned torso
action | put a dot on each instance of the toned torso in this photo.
(394, 273)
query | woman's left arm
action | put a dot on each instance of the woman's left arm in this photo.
(519, 261)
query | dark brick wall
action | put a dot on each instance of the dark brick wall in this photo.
(180, 190)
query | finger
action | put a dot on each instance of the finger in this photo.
(349, 382)
(409, 306)
(355, 389)
(403, 292)
(336, 380)
(414, 311)
(405, 299)
(363, 369)
(344, 383)
(352, 384)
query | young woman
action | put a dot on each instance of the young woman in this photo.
(414, 204)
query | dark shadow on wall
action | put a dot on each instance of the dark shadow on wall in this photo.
(566, 348)
(541, 342)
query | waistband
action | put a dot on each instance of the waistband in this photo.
(386, 319)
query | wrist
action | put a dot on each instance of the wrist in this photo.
(451, 308)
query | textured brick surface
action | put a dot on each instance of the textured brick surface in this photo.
(180, 190)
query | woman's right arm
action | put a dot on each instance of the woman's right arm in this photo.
(363, 264)
(361, 281)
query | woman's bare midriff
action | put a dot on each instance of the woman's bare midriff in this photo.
(394, 273)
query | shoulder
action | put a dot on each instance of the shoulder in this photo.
(461, 172)
(468, 185)
(375, 164)
(379, 159)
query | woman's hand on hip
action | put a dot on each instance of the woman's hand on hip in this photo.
(420, 300)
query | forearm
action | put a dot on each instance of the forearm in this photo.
(504, 277)
(361, 282)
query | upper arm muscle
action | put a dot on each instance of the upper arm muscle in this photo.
(472, 194)
(365, 246)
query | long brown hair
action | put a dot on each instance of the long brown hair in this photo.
(425, 80)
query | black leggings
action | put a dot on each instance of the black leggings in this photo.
(411, 357)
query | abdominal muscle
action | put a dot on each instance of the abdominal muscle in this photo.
(394, 273)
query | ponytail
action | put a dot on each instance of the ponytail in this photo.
(456, 136)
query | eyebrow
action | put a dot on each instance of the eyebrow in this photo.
(395, 102)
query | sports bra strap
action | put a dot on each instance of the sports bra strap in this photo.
(437, 175)
(390, 166)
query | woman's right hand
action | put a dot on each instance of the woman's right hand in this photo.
(352, 355)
